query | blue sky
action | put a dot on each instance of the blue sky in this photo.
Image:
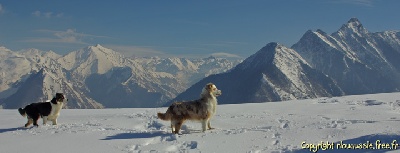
(183, 28)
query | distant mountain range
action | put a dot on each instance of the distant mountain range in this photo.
(349, 61)
(98, 77)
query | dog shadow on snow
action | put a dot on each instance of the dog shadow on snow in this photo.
(168, 136)
(154, 132)
(139, 135)
(12, 129)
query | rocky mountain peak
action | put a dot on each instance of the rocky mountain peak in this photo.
(353, 26)
(272, 54)
(273, 73)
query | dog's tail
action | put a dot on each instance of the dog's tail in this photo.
(164, 116)
(22, 112)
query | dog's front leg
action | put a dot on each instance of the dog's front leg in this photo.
(35, 122)
(204, 125)
(54, 121)
(44, 120)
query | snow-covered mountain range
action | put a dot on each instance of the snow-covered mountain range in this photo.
(349, 61)
(98, 77)
(359, 61)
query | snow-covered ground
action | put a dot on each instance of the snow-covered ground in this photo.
(262, 127)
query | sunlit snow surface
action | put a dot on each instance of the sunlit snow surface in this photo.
(262, 127)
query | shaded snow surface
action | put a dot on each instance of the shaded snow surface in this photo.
(261, 127)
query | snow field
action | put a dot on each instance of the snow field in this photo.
(258, 127)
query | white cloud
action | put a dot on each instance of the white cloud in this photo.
(138, 51)
(47, 15)
(226, 43)
(197, 23)
(70, 36)
(225, 55)
(362, 2)
(152, 51)
(36, 13)
(368, 3)
(1, 9)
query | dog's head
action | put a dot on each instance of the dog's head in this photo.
(60, 97)
(210, 88)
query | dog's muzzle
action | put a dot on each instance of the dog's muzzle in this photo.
(218, 92)
(63, 99)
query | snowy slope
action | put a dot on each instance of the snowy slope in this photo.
(43, 85)
(261, 127)
(14, 69)
(274, 73)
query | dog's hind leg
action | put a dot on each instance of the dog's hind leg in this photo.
(35, 119)
(30, 121)
(178, 125)
(172, 127)
(209, 125)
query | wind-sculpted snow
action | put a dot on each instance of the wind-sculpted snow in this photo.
(290, 126)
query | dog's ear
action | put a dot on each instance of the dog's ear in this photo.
(209, 86)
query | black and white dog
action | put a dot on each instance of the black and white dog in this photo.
(46, 110)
